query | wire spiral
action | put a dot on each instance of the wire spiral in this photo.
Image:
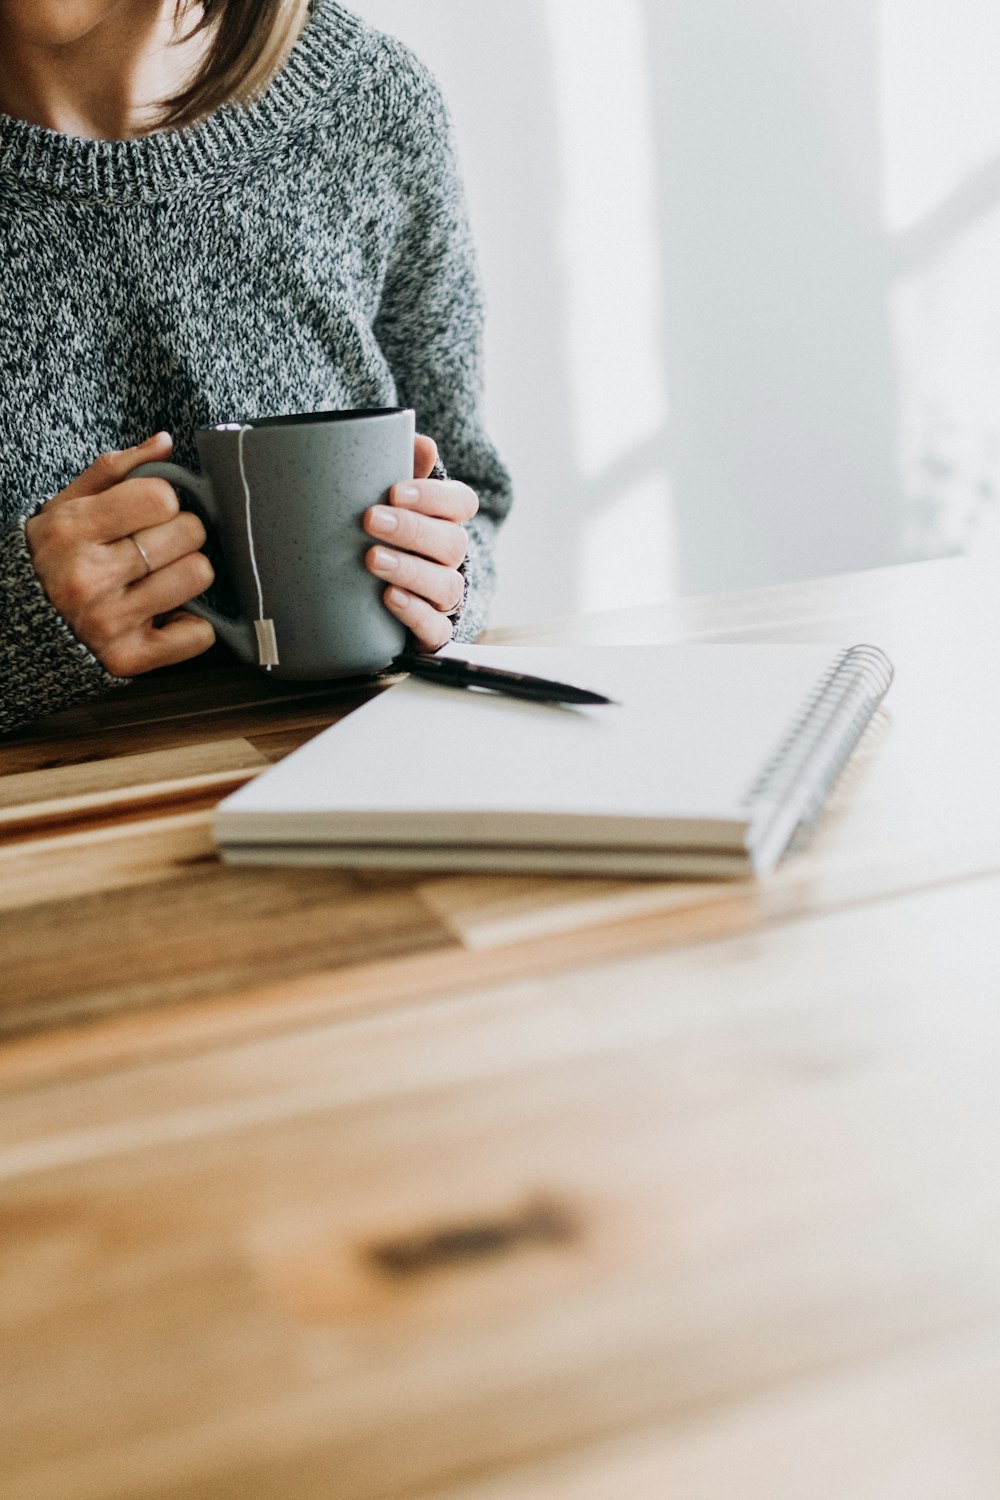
(808, 762)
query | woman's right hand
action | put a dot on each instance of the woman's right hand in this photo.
(128, 615)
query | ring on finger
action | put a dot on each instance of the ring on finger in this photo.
(142, 553)
(455, 613)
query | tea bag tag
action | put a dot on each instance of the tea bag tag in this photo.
(267, 643)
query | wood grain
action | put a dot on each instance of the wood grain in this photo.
(177, 709)
(111, 950)
(92, 790)
(130, 853)
(120, 1030)
(379, 1187)
(757, 1188)
(921, 1422)
(896, 824)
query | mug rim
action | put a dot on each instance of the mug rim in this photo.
(308, 418)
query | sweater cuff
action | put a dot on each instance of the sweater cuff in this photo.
(43, 667)
(480, 579)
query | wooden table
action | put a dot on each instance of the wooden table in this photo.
(322, 1185)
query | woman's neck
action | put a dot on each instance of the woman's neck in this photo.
(94, 68)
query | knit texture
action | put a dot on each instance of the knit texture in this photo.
(308, 252)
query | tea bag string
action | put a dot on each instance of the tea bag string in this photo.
(267, 643)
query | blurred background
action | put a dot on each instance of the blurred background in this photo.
(742, 264)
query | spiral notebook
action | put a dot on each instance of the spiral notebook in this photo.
(708, 762)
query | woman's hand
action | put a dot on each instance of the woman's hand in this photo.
(89, 545)
(424, 545)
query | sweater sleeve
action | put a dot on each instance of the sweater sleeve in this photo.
(430, 320)
(43, 667)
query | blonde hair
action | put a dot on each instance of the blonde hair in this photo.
(250, 40)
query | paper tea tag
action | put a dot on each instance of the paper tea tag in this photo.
(267, 643)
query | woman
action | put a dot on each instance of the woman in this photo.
(235, 209)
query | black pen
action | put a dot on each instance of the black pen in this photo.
(450, 672)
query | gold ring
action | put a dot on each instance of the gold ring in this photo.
(143, 554)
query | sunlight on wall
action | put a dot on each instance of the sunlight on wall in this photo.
(628, 551)
(941, 128)
(608, 229)
(940, 117)
(947, 327)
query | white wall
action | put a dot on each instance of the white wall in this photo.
(740, 259)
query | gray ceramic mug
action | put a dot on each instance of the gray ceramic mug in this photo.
(286, 496)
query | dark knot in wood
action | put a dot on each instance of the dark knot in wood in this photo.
(541, 1221)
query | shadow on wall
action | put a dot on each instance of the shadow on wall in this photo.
(678, 211)
(784, 397)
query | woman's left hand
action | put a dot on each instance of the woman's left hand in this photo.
(422, 546)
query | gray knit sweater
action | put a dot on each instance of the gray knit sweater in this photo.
(310, 252)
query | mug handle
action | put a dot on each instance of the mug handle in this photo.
(238, 634)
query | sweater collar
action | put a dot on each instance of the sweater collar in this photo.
(166, 162)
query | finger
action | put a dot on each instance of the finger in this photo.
(431, 628)
(111, 468)
(409, 531)
(425, 456)
(177, 638)
(162, 545)
(170, 588)
(135, 505)
(181, 636)
(442, 587)
(448, 498)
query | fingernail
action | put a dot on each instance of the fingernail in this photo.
(406, 493)
(383, 520)
(397, 598)
(385, 562)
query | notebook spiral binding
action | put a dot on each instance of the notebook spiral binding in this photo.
(809, 761)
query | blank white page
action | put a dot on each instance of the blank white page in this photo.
(692, 728)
